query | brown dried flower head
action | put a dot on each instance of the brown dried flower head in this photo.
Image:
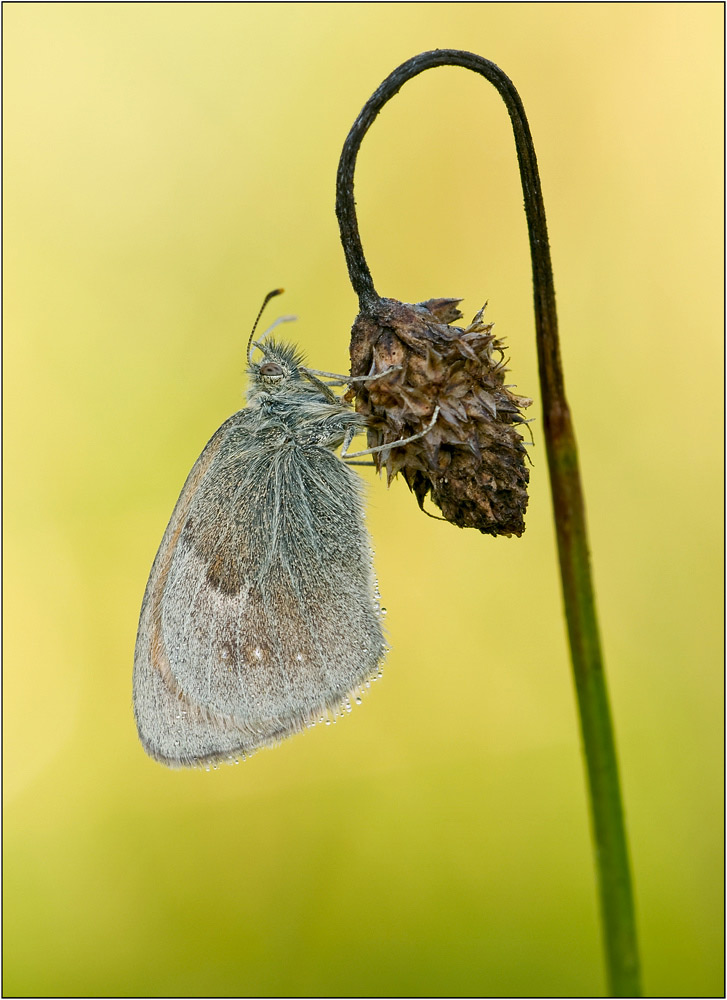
(471, 460)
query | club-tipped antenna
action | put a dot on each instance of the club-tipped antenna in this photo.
(268, 297)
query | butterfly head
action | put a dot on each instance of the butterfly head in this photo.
(278, 369)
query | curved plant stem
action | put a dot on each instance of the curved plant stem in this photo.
(611, 854)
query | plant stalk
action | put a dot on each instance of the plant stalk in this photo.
(606, 810)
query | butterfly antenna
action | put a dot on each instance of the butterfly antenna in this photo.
(268, 297)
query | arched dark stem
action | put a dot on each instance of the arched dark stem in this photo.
(579, 599)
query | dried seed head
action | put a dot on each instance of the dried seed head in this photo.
(472, 460)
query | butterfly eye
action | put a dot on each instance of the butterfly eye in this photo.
(270, 369)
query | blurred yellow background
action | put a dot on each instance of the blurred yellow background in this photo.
(166, 165)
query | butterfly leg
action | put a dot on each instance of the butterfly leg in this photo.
(391, 444)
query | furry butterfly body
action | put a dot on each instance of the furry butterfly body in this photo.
(261, 611)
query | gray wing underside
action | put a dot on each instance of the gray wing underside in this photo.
(261, 611)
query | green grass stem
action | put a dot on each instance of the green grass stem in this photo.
(606, 810)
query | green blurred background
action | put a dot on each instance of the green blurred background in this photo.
(167, 164)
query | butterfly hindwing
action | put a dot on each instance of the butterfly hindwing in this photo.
(261, 608)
